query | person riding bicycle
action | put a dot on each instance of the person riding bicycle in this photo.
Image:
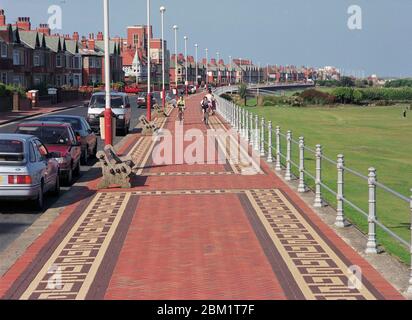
(212, 101)
(205, 105)
(181, 105)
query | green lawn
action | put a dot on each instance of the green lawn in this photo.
(368, 137)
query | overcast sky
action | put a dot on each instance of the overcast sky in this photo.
(298, 32)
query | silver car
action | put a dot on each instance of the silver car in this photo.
(27, 169)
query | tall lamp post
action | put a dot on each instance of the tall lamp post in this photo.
(197, 69)
(218, 68)
(175, 28)
(108, 138)
(230, 70)
(207, 68)
(162, 11)
(186, 68)
(149, 71)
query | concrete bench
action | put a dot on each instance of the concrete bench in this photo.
(159, 111)
(148, 127)
(116, 170)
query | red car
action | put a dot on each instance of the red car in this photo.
(133, 89)
(60, 139)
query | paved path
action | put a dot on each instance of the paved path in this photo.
(202, 231)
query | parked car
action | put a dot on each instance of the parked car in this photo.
(142, 98)
(88, 138)
(27, 169)
(120, 107)
(133, 89)
(60, 139)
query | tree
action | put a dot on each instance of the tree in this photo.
(243, 92)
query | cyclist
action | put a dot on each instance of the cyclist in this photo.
(181, 105)
(211, 98)
(205, 108)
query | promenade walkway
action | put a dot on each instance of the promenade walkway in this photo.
(202, 231)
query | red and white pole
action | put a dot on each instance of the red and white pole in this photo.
(108, 138)
(149, 71)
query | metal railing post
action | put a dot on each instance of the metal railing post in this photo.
(251, 138)
(278, 151)
(318, 178)
(288, 174)
(409, 291)
(242, 123)
(340, 218)
(270, 153)
(256, 133)
(371, 246)
(247, 126)
(302, 185)
(262, 137)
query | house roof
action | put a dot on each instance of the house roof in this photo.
(54, 43)
(72, 46)
(31, 39)
(114, 47)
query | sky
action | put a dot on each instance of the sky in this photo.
(284, 32)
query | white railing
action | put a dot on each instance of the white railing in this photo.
(260, 135)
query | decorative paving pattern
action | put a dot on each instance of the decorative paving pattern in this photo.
(177, 174)
(71, 269)
(317, 270)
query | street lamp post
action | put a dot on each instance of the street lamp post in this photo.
(230, 70)
(218, 67)
(162, 11)
(108, 138)
(197, 71)
(175, 28)
(207, 68)
(149, 98)
(186, 68)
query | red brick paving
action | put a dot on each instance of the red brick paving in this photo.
(197, 247)
(190, 247)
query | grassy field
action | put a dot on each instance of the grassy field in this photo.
(368, 137)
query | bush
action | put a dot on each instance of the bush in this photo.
(9, 90)
(313, 96)
(226, 96)
(399, 83)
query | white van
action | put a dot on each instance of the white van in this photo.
(120, 107)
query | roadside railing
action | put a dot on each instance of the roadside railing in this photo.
(276, 147)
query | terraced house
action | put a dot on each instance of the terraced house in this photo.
(34, 57)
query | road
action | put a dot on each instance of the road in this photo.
(16, 217)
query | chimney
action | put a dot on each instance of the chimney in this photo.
(23, 23)
(2, 18)
(204, 61)
(84, 42)
(91, 42)
(100, 36)
(213, 61)
(221, 62)
(44, 28)
(76, 36)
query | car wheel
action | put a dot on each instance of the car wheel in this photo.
(39, 202)
(94, 154)
(69, 178)
(77, 170)
(85, 156)
(56, 190)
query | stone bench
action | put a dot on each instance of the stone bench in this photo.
(148, 127)
(116, 170)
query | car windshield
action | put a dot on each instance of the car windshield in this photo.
(75, 123)
(100, 102)
(49, 135)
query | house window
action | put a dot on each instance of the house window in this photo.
(59, 61)
(36, 60)
(37, 80)
(17, 59)
(76, 62)
(98, 64)
(135, 39)
(3, 50)
(3, 78)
